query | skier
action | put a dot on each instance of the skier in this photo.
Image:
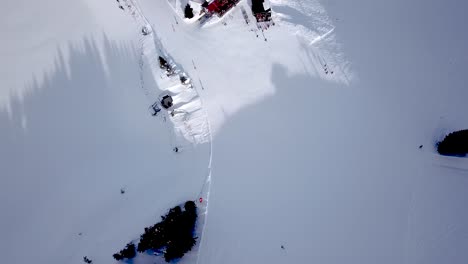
(121, 7)
(176, 149)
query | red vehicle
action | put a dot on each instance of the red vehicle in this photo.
(220, 7)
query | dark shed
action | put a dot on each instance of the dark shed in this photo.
(166, 101)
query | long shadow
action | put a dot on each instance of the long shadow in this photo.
(296, 169)
(72, 144)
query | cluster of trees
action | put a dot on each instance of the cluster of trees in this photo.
(454, 144)
(128, 252)
(174, 234)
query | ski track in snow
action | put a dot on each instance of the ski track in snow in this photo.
(313, 28)
(189, 118)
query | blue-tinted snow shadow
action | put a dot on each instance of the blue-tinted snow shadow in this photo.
(71, 144)
(299, 168)
(328, 172)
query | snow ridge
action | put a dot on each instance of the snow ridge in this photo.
(315, 30)
(189, 119)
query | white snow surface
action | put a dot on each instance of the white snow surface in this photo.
(286, 152)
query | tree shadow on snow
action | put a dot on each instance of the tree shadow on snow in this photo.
(72, 143)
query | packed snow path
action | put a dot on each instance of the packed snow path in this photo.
(188, 100)
(189, 118)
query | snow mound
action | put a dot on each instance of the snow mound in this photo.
(314, 29)
(189, 119)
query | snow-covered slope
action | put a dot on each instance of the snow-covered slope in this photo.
(285, 151)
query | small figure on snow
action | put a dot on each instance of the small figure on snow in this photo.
(121, 7)
(87, 260)
(122, 191)
(421, 146)
(176, 149)
(282, 247)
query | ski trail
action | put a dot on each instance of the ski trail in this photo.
(319, 38)
(189, 117)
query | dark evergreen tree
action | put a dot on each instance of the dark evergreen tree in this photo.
(257, 6)
(188, 11)
(175, 233)
(454, 144)
(128, 252)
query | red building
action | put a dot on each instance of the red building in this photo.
(213, 7)
(220, 7)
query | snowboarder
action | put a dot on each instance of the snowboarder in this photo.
(121, 7)
(87, 260)
(421, 146)
(282, 247)
(176, 149)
